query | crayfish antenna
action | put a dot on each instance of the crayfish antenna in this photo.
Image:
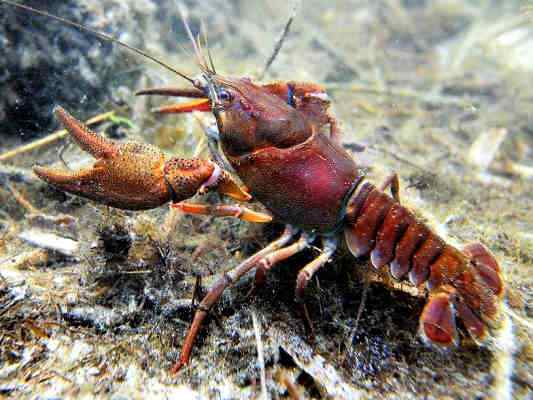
(172, 92)
(200, 59)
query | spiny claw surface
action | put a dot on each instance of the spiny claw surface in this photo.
(135, 176)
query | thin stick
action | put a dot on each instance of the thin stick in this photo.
(281, 39)
(22, 200)
(53, 137)
(401, 159)
(400, 92)
(363, 301)
(260, 355)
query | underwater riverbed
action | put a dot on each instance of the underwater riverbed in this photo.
(96, 302)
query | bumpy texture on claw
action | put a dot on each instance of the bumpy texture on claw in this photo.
(135, 176)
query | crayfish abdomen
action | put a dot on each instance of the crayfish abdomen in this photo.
(465, 283)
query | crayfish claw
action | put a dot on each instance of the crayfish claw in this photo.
(136, 176)
(80, 182)
(127, 180)
(94, 144)
(125, 175)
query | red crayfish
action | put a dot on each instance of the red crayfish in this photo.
(281, 141)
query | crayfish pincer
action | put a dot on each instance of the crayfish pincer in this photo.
(281, 141)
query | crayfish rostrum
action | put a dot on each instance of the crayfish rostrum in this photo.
(280, 140)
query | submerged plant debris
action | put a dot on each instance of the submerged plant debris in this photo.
(96, 301)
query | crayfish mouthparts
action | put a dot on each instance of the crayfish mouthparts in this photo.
(135, 176)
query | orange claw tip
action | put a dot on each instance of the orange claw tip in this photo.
(223, 210)
(53, 176)
(228, 187)
(61, 114)
(96, 145)
(202, 105)
(58, 109)
(253, 216)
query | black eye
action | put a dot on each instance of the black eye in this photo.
(224, 95)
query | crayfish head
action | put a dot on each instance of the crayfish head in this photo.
(250, 118)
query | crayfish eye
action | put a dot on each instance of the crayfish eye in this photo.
(224, 95)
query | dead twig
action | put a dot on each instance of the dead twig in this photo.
(366, 287)
(19, 197)
(424, 97)
(54, 137)
(260, 354)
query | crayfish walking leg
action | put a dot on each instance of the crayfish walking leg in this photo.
(306, 273)
(275, 257)
(226, 280)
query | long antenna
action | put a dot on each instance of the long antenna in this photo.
(279, 43)
(101, 35)
(195, 44)
(206, 41)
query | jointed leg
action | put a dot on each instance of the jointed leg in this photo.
(223, 210)
(275, 257)
(218, 288)
(307, 272)
(392, 181)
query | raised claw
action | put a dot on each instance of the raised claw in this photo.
(135, 176)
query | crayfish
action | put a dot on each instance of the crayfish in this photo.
(281, 141)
